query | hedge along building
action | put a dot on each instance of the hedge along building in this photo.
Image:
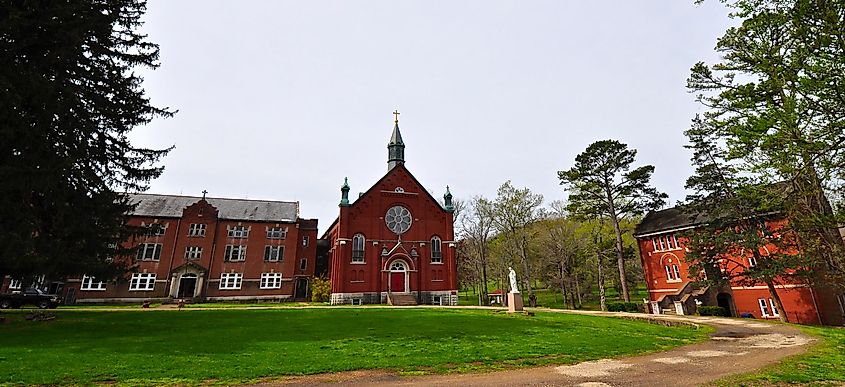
(395, 242)
(210, 249)
(672, 291)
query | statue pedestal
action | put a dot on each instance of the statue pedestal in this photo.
(514, 302)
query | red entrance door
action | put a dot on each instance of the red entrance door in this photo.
(397, 282)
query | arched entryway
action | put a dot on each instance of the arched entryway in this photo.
(398, 277)
(187, 286)
(725, 301)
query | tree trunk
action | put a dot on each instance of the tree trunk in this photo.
(484, 274)
(562, 284)
(601, 284)
(776, 298)
(620, 260)
(525, 268)
(577, 293)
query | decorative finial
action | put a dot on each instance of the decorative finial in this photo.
(396, 116)
(344, 193)
(447, 200)
(204, 192)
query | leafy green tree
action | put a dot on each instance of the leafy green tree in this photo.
(776, 101)
(321, 289)
(476, 231)
(70, 96)
(602, 184)
(514, 210)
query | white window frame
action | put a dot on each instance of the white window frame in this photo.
(752, 262)
(277, 232)
(15, 284)
(156, 229)
(673, 273)
(358, 248)
(436, 249)
(229, 253)
(305, 241)
(775, 311)
(89, 284)
(193, 252)
(662, 243)
(271, 281)
(142, 282)
(677, 271)
(153, 249)
(231, 281)
(764, 307)
(274, 253)
(237, 231)
(303, 264)
(197, 230)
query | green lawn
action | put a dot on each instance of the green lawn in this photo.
(230, 346)
(823, 364)
(551, 298)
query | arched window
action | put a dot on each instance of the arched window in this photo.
(436, 250)
(358, 248)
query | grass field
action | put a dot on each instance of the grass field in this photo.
(551, 298)
(823, 364)
(229, 346)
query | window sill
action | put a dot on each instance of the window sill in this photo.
(357, 263)
(436, 263)
(674, 281)
(229, 289)
(437, 280)
(356, 282)
(274, 288)
(141, 290)
(91, 290)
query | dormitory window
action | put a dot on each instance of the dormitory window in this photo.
(436, 250)
(752, 262)
(235, 253)
(765, 310)
(193, 252)
(14, 284)
(303, 264)
(271, 280)
(274, 253)
(89, 283)
(238, 232)
(358, 248)
(156, 229)
(196, 230)
(149, 251)
(142, 281)
(673, 273)
(231, 281)
(276, 233)
(305, 241)
(664, 242)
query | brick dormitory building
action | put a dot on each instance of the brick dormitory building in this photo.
(670, 290)
(394, 242)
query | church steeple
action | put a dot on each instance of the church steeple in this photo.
(395, 148)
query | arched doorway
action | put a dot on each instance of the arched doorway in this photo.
(399, 277)
(187, 285)
(725, 301)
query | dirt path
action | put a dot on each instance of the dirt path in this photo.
(737, 346)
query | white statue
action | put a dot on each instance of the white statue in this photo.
(512, 276)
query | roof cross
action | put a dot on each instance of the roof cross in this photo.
(396, 116)
(203, 193)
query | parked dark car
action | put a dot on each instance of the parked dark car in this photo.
(29, 296)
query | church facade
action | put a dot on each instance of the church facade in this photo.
(394, 241)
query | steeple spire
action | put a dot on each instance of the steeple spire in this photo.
(395, 148)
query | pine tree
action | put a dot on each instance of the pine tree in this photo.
(602, 184)
(70, 96)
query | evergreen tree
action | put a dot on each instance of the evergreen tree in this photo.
(69, 99)
(602, 184)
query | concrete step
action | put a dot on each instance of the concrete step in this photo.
(401, 300)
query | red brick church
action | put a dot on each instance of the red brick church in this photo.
(395, 242)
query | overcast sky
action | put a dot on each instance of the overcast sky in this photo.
(283, 99)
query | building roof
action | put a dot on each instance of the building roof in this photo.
(171, 206)
(666, 220)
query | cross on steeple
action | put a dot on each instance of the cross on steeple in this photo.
(204, 192)
(396, 116)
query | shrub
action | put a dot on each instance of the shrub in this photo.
(321, 290)
(712, 311)
(633, 307)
